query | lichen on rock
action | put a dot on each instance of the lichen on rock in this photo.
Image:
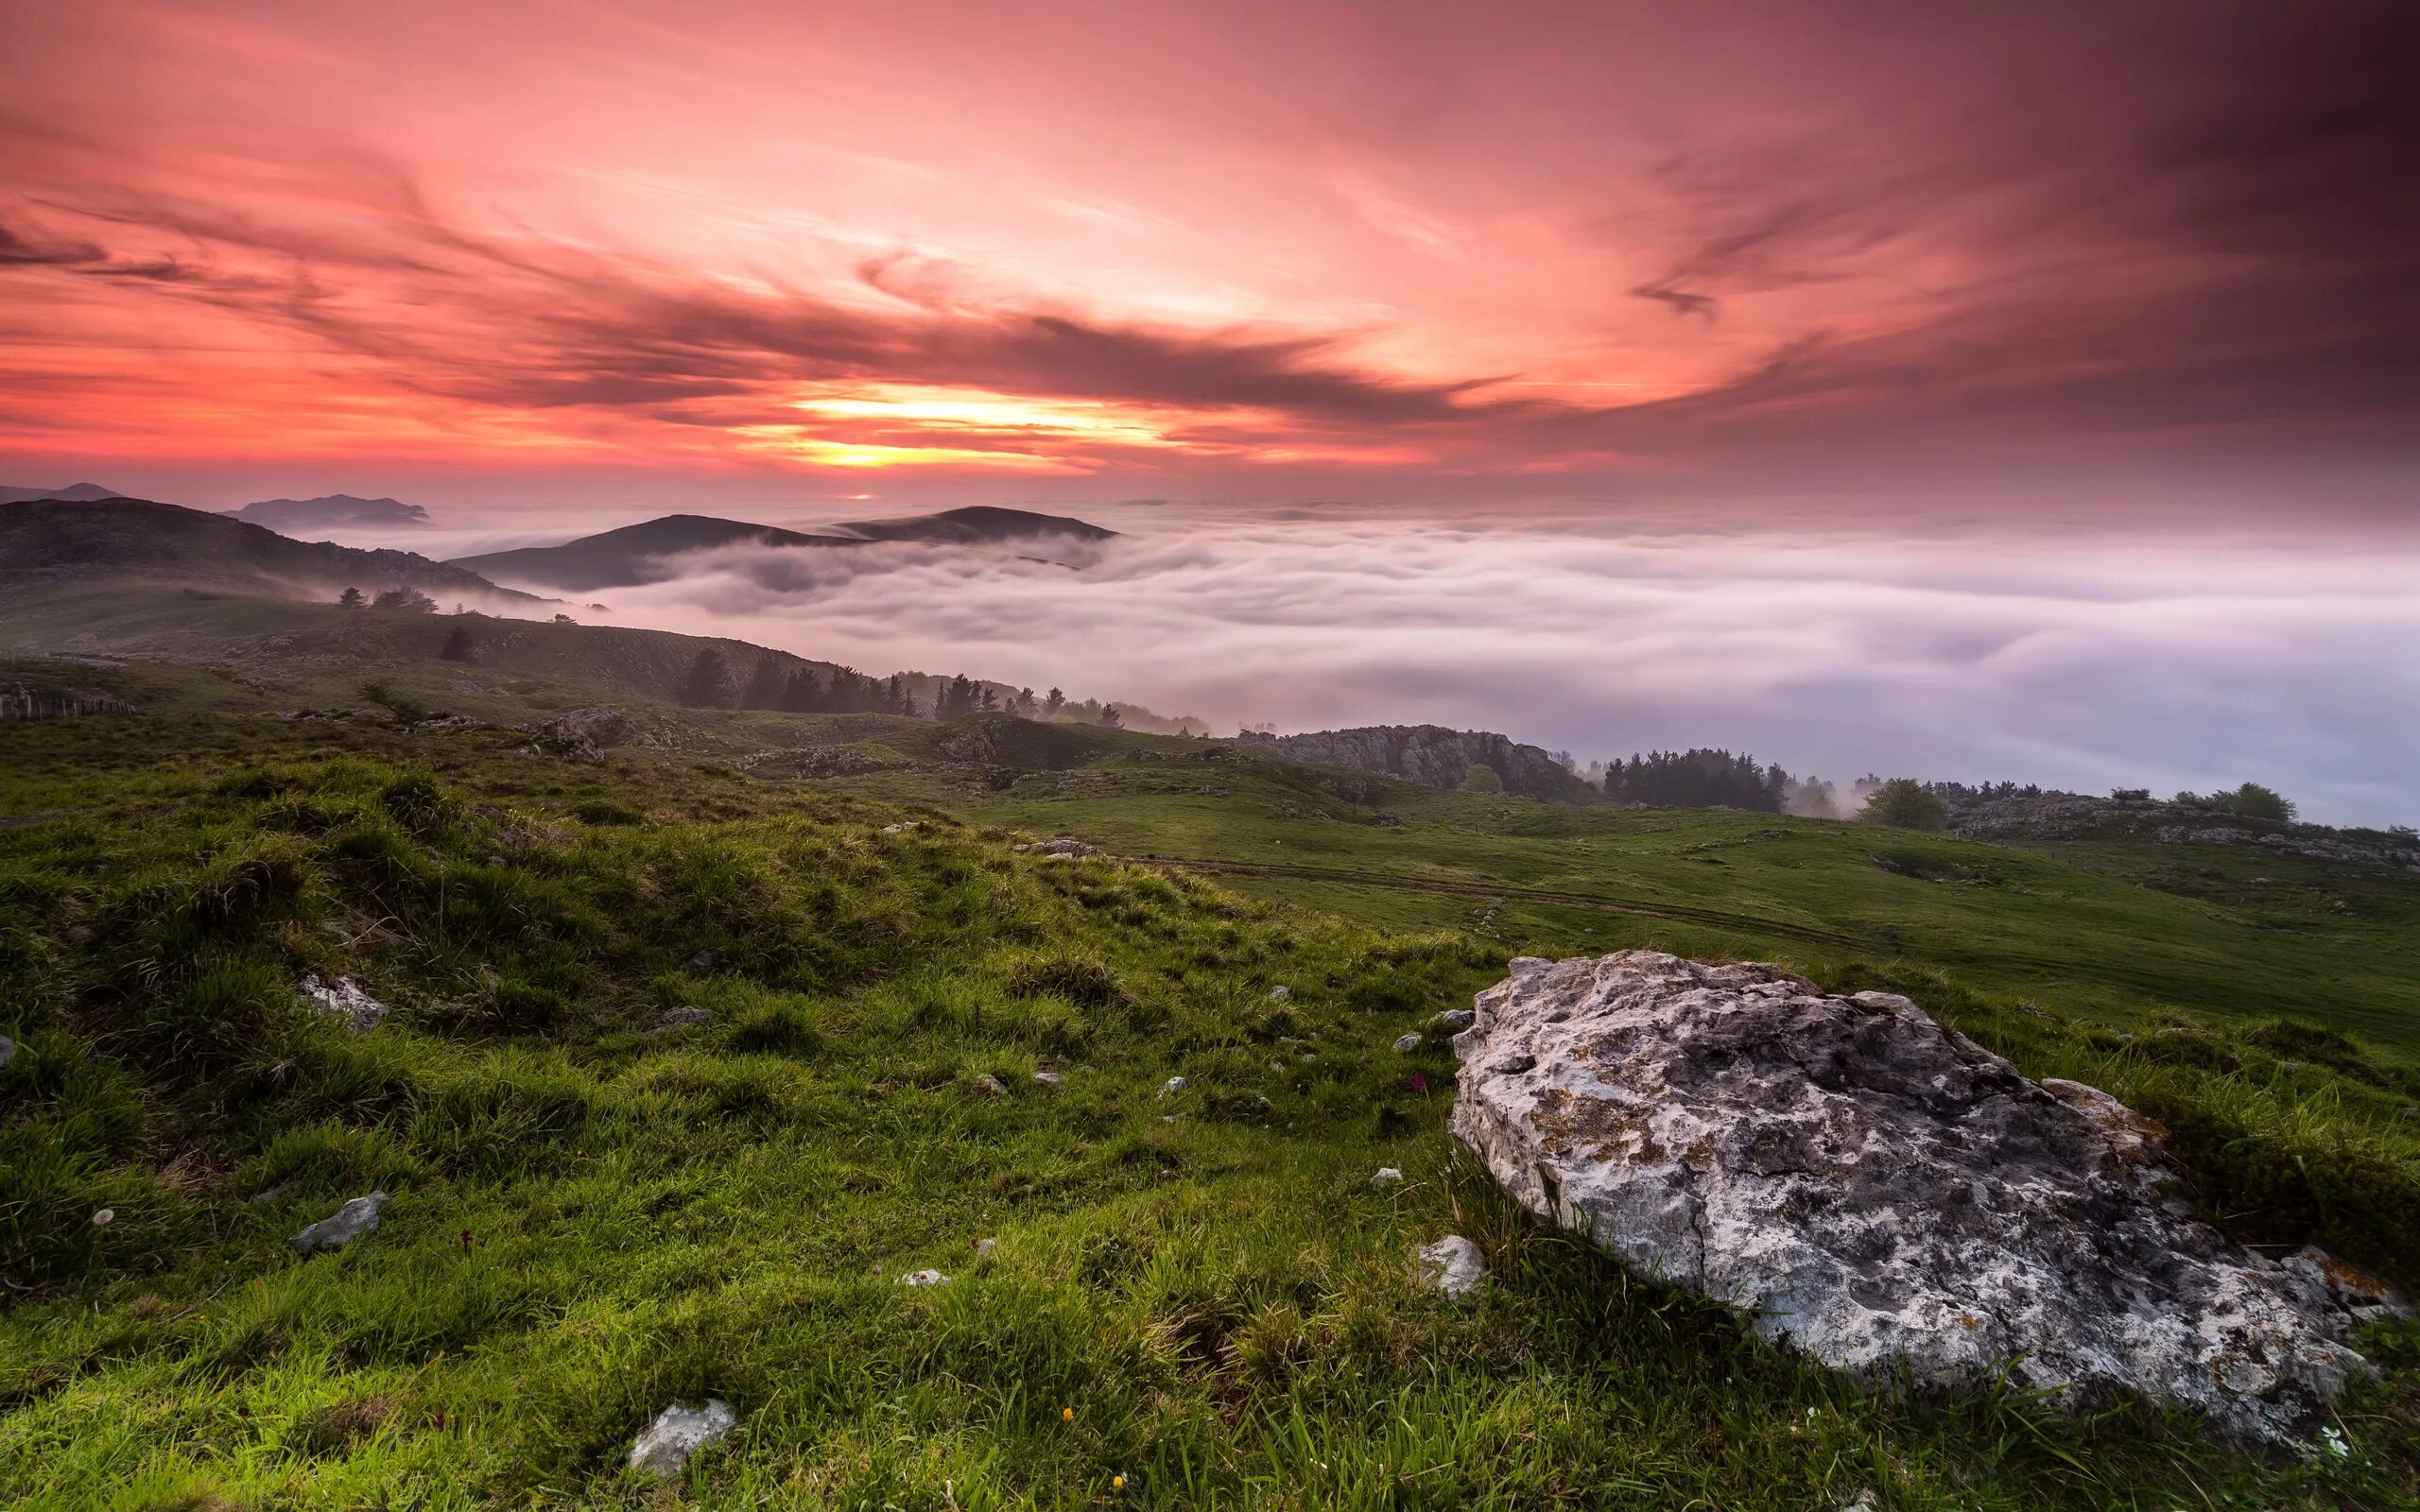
(1881, 1192)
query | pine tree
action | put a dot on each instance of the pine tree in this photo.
(707, 684)
(765, 686)
(1022, 705)
(1109, 716)
(802, 694)
(459, 646)
(350, 598)
(1052, 703)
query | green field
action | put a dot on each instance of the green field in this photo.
(594, 1215)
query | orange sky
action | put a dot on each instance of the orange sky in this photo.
(820, 250)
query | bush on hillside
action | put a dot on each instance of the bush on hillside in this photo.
(1481, 777)
(1904, 803)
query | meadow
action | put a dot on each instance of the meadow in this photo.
(1191, 1300)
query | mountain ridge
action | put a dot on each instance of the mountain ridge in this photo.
(627, 555)
(52, 541)
(329, 509)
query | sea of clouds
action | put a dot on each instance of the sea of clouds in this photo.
(2086, 663)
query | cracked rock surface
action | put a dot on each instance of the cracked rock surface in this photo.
(1878, 1188)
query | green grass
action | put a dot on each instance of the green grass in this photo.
(593, 1217)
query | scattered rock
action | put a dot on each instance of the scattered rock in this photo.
(1172, 1086)
(1049, 1078)
(702, 961)
(678, 1432)
(1880, 1192)
(924, 1278)
(583, 735)
(347, 1224)
(105, 1217)
(345, 1003)
(983, 1248)
(1456, 1020)
(1387, 1177)
(1408, 1044)
(1452, 1265)
(1062, 850)
(990, 1086)
(684, 1018)
(901, 827)
(1279, 993)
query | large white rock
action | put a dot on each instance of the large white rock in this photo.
(665, 1446)
(1879, 1190)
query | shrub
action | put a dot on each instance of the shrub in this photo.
(1904, 804)
(1481, 777)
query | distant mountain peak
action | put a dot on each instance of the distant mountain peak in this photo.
(77, 492)
(327, 510)
(631, 555)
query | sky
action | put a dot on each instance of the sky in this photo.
(1999, 389)
(588, 253)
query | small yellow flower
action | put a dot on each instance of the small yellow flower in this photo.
(1067, 1413)
(1117, 1483)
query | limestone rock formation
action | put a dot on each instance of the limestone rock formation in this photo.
(1879, 1190)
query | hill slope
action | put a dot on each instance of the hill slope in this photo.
(45, 543)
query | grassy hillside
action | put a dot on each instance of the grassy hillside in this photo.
(1193, 1300)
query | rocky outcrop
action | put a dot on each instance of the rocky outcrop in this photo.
(2081, 816)
(1880, 1192)
(584, 735)
(1435, 757)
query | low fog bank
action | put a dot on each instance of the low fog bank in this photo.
(2187, 666)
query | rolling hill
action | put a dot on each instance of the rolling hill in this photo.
(641, 553)
(47, 542)
(79, 492)
(329, 512)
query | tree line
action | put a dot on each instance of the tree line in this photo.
(780, 685)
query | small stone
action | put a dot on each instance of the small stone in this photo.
(105, 1217)
(1064, 850)
(1456, 1019)
(684, 1018)
(1049, 1078)
(899, 828)
(924, 1278)
(983, 1248)
(1279, 993)
(345, 1003)
(678, 1432)
(990, 1086)
(1452, 1265)
(7, 1050)
(1172, 1086)
(703, 960)
(1408, 1044)
(347, 1224)
(1388, 1176)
